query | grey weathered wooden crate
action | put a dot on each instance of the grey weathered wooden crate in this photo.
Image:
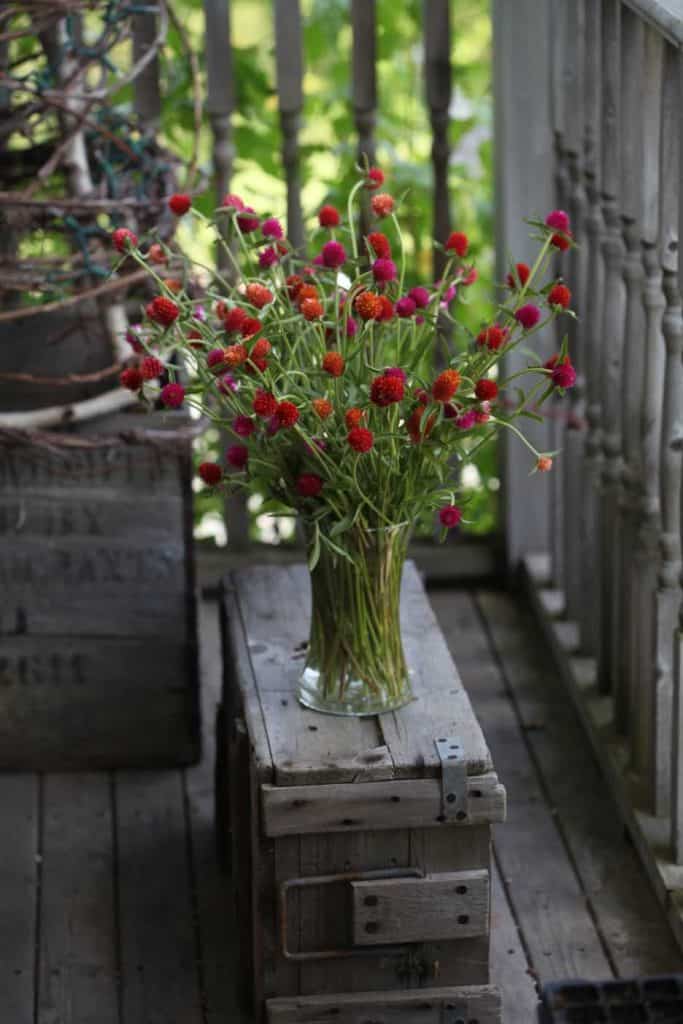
(98, 651)
(354, 892)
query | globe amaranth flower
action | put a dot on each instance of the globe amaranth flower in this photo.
(360, 439)
(215, 360)
(384, 270)
(396, 371)
(351, 327)
(151, 368)
(294, 284)
(237, 456)
(235, 355)
(386, 390)
(420, 296)
(309, 485)
(227, 384)
(520, 276)
(470, 277)
(559, 295)
(287, 414)
(328, 216)
(450, 516)
(414, 425)
(260, 349)
(243, 426)
(375, 178)
(382, 204)
(466, 420)
(544, 464)
(156, 254)
(353, 418)
(486, 390)
(124, 239)
(561, 242)
(258, 295)
(233, 319)
(306, 291)
(311, 309)
(232, 201)
(264, 404)
(405, 307)
(458, 243)
(380, 245)
(528, 316)
(558, 220)
(250, 327)
(367, 305)
(333, 363)
(247, 223)
(563, 374)
(494, 337)
(210, 472)
(267, 258)
(386, 309)
(322, 407)
(446, 385)
(179, 203)
(272, 228)
(133, 336)
(172, 395)
(162, 311)
(333, 254)
(131, 379)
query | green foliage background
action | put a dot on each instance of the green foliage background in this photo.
(328, 144)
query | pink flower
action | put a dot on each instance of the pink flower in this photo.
(215, 359)
(248, 224)
(333, 254)
(199, 313)
(450, 516)
(384, 270)
(420, 297)
(396, 371)
(558, 220)
(271, 228)
(243, 426)
(528, 316)
(267, 258)
(405, 307)
(172, 395)
(351, 327)
(227, 384)
(448, 295)
(237, 456)
(233, 201)
(466, 420)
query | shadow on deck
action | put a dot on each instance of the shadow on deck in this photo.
(114, 909)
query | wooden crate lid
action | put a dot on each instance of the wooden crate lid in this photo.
(267, 610)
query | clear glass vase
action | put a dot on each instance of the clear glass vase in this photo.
(355, 663)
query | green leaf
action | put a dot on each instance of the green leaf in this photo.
(314, 551)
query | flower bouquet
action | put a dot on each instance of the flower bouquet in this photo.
(323, 372)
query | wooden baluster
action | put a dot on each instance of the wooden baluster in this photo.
(646, 701)
(633, 362)
(364, 89)
(437, 43)
(289, 65)
(220, 105)
(613, 333)
(673, 333)
(590, 316)
(574, 433)
(147, 100)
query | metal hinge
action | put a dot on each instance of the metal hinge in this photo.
(454, 803)
(454, 1013)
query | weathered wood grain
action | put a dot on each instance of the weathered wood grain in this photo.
(19, 868)
(510, 969)
(147, 91)
(437, 66)
(400, 803)
(78, 942)
(289, 68)
(477, 1002)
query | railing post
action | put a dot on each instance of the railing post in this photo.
(364, 88)
(437, 44)
(220, 101)
(147, 100)
(289, 65)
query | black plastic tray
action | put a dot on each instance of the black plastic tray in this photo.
(656, 1000)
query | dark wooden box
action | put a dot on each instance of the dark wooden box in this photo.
(361, 866)
(98, 650)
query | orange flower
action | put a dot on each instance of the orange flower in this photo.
(382, 204)
(311, 309)
(322, 407)
(258, 295)
(445, 385)
(368, 305)
(333, 363)
(353, 418)
(235, 355)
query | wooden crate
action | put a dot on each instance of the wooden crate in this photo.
(98, 651)
(361, 867)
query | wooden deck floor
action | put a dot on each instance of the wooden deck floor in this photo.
(113, 909)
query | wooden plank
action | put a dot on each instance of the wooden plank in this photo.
(401, 803)
(363, 76)
(548, 901)
(510, 969)
(446, 906)
(437, 64)
(425, 1006)
(78, 940)
(19, 872)
(634, 930)
(147, 94)
(289, 69)
(158, 940)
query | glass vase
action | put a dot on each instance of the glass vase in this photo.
(355, 663)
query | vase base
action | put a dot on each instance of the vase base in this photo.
(359, 704)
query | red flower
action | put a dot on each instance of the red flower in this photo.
(559, 295)
(450, 516)
(287, 414)
(235, 355)
(445, 385)
(156, 253)
(470, 277)
(232, 318)
(162, 311)
(561, 242)
(131, 379)
(386, 309)
(309, 485)
(237, 456)
(333, 254)
(380, 245)
(544, 464)
(458, 243)
(261, 349)
(494, 337)
(151, 368)
(272, 228)
(264, 404)
(246, 224)
(268, 258)
(486, 390)
(179, 204)
(528, 316)
(382, 205)
(172, 395)
(414, 425)
(333, 363)
(294, 284)
(386, 390)
(375, 178)
(353, 417)
(311, 309)
(360, 439)
(558, 220)
(215, 359)
(328, 217)
(232, 201)
(520, 277)
(367, 305)
(123, 239)
(210, 472)
(250, 327)
(563, 374)
(258, 295)
(322, 407)
(243, 426)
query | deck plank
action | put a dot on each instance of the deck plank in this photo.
(78, 942)
(510, 969)
(629, 916)
(160, 983)
(546, 895)
(18, 870)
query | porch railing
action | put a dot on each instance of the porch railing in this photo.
(601, 82)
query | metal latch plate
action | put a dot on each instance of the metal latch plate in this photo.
(454, 805)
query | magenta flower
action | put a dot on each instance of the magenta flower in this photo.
(351, 327)
(268, 258)
(450, 516)
(215, 358)
(273, 425)
(405, 307)
(563, 375)
(233, 201)
(172, 395)
(333, 254)
(228, 384)
(133, 335)
(466, 420)
(384, 270)
(420, 297)
(396, 371)
(528, 316)
(243, 426)
(248, 224)
(271, 228)
(237, 456)
(558, 220)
